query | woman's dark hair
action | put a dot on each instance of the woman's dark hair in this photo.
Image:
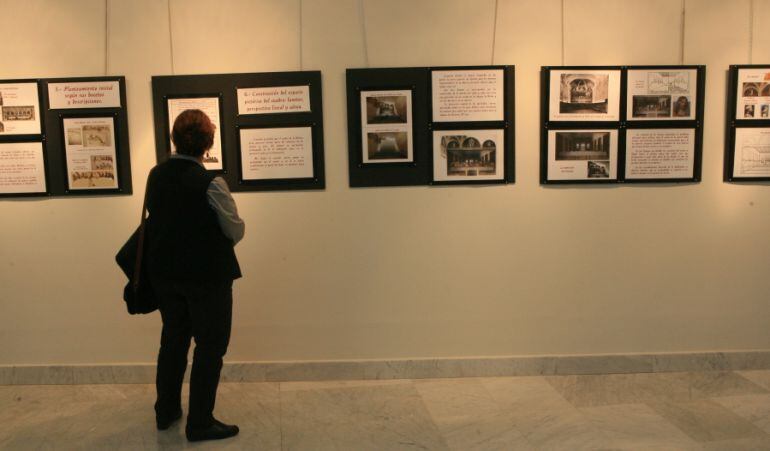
(193, 133)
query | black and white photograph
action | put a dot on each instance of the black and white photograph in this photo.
(386, 126)
(387, 146)
(19, 113)
(748, 111)
(652, 106)
(583, 145)
(575, 155)
(598, 169)
(584, 95)
(764, 111)
(467, 155)
(19, 109)
(386, 109)
(661, 94)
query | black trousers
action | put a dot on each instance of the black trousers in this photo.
(202, 311)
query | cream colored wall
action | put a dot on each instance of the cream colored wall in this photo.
(402, 272)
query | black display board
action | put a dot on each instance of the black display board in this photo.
(52, 138)
(225, 87)
(420, 170)
(747, 127)
(658, 109)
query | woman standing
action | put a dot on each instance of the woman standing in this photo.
(192, 227)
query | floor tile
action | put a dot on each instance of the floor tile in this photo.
(706, 421)
(602, 390)
(759, 377)
(374, 417)
(542, 415)
(720, 383)
(754, 408)
(636, 426)
(467, 416)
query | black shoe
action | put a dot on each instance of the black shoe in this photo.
(216, 431)
(164, 422)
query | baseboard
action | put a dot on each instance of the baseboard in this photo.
(402, 369)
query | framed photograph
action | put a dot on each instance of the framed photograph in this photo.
(468, 155)
(584, 95)
(19, 108)
(753, 94)
(90, 152)
(213, 160)
(582, 155)
(276, 153)
(667, 153)
(22, 169)
(386, 126)
(468, 95)
(662, 94)
(751, 153)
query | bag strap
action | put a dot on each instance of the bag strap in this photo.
(140, 241)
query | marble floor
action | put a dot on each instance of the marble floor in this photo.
(663, 411)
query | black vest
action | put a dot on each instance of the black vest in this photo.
(184, 240)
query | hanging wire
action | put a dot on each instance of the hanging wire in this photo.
(751, 31)
(170, 38)
(300, 34)
(494, 33)
(362, 15)
(106, 37)
(563, 31)
(681, 33)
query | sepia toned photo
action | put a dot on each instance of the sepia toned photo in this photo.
(584, 93)
(74, 136)
(582, 145)
(387, 146)
(764, 110)
(97, 136)
(652, 106)
(599, 169)
(468, 156)
(102, 162)
(754, 89)
(386, 109)
(92, 179)
(19, 113)
(748, 111)
(681, 107)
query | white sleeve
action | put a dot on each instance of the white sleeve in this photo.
(222, 202)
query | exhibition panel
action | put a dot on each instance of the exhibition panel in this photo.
(439, 125)
(609, 124)
(269, 126)
(64, 136)
(747, 132)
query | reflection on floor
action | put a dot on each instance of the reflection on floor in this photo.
(664, 411)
